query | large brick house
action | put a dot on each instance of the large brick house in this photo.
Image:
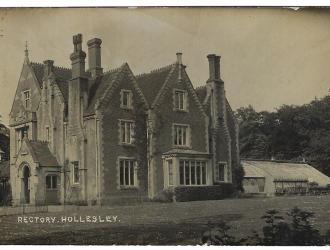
(88, 136)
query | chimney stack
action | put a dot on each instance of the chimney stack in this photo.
(214, 67)
(48, 67)
(94, 57)
(179, 62)
(78, 57)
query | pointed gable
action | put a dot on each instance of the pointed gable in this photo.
(98, 87)
(151, 83)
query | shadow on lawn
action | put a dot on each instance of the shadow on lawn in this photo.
(187, 232)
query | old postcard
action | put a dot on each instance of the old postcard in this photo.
(165, 126)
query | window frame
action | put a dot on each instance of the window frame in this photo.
(75, 166)
(203, 172)
(184, 101)
(131, 180)
(131, 130)
(176, 135)
(129, 99)
(27, 100)
(47, 133)
(51, 182)
(225, 171)
(170, 172)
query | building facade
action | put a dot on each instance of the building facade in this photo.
(92, 137)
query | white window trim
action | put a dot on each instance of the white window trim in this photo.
(188, 135)
(216, 174)
(168, 172)
(185, 100)
(132, 132)
(130, 99)
(206, 161)
(27, 99)
(135, 169)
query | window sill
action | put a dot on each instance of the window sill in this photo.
(127, 144)
(128, 188)
(126, 108)
(181, 110)
(181, 147)
(75, 185)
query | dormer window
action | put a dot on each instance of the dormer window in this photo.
(27, 99)
(180, 100)
(126, 99)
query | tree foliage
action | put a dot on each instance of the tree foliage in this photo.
(289, 133)
(4, 138)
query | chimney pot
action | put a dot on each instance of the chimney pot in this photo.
(78, 57)
(214, 67)
(94, 57)
(179, 57)
(48, 67)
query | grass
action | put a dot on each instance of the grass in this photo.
(160, 223)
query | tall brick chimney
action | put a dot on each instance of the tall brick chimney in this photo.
(78, 87)
(78, 57)
(214, 67)
(94, 57)
(179, 62)
(216, 89)
(48, 67)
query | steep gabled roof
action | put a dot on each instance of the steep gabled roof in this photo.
(201, 93)
(41, 153)
(62, 76)
(98, 88)
(151, 83)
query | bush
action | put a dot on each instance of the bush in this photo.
(276, 232)
(164, 196)
(219, 236)
(198, 193)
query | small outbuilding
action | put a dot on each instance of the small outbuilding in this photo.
(281, 177)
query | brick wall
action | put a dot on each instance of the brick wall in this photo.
(165, 117)
(111, 149)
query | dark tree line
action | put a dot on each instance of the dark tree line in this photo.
(4, 139)
(289, 133)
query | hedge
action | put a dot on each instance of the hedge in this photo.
(198, 193)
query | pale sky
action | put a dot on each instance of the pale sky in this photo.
(269, 57)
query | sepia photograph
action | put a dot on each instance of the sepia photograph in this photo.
(176, 126)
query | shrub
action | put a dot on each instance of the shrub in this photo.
(276, 232)
(195, 193)
(166, 195)
(219, 236)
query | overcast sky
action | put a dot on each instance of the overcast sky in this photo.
(269, 57)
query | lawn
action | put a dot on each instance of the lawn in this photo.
(157, 223)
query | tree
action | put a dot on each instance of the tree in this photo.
(4, 139)
(289, 133)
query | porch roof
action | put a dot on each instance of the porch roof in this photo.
(41, 154)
